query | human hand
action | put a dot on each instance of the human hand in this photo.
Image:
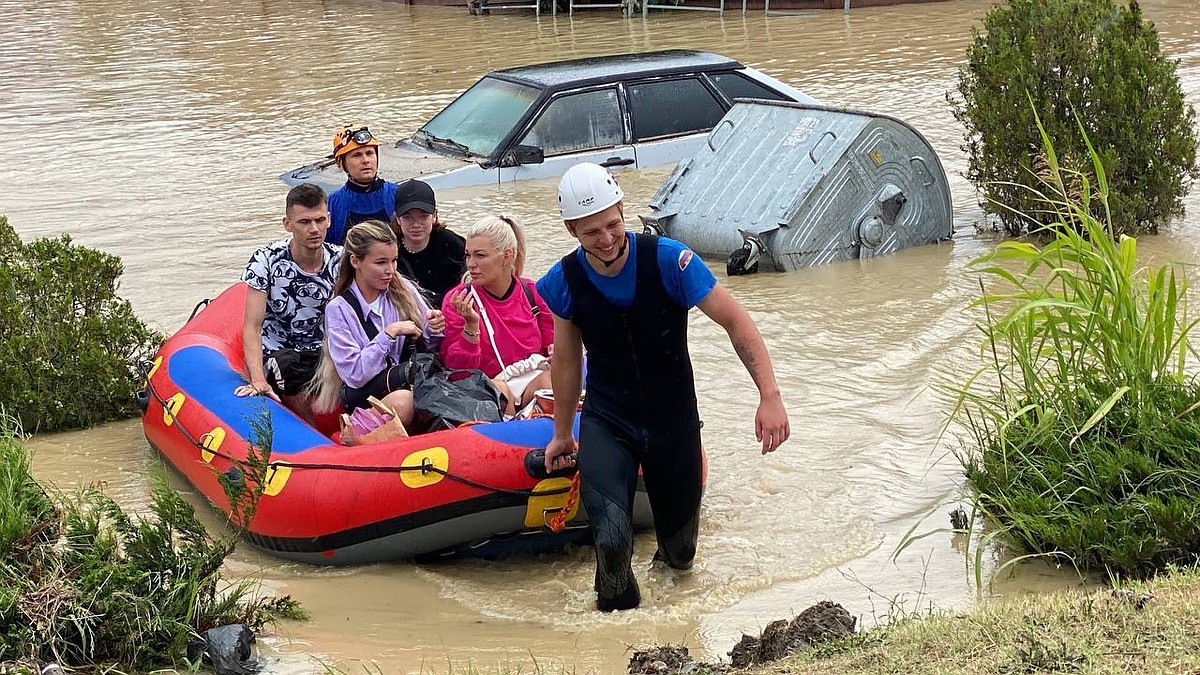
(437, 321)
(464, 304)
(256, 389)
(560, 454)
(397, 328)
(771, 423)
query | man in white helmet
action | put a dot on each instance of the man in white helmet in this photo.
(625, 297)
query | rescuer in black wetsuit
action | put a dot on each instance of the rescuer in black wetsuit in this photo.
(625, 298)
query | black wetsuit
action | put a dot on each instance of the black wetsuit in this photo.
(640, 409)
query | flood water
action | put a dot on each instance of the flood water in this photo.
(154, 129)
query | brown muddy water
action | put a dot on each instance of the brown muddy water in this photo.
(154, 129)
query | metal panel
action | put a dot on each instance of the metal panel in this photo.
(807, 185)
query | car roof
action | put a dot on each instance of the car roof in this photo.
(577, 72)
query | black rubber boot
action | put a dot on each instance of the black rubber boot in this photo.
(629, 598)
(677, 540)
(612, 533)
(660, 558)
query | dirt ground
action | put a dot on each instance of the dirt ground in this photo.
(821, 622)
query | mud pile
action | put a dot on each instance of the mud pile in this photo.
(822, 622)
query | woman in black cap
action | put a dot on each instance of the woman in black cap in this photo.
(430, 254)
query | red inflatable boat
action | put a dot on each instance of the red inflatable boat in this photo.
(467, 490)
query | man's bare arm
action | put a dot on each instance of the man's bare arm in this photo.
(770, 423)
(566, 373)
(252, 321)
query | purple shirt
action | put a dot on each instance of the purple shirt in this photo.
(358, 358)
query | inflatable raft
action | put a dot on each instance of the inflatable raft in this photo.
(472, 490)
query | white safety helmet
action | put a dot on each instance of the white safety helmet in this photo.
(586, 189)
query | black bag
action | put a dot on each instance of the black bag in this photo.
(444, 399)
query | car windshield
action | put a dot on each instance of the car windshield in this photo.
(477, 121)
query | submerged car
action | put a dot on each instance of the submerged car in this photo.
(629, 110)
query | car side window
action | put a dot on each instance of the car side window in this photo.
(672, 107)
(736, 85)
(577, 122)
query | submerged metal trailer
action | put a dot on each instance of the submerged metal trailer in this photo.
(788, 185)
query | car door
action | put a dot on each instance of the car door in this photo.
(572, 127)
(670, 118)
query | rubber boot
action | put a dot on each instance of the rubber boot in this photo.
(629, 598)
(677, 548)
(660, 559)
(612, 531)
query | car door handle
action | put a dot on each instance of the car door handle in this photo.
(616, 161)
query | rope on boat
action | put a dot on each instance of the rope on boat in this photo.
(199, 306)
(425, 467)
(558, 522)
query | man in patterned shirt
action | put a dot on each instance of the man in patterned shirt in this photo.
(290, 281)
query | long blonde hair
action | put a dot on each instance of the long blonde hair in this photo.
(325, 388)
(502, 232)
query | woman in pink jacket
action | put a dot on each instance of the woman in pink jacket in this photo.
(496, 321)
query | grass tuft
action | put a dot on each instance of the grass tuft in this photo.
(1084, 425)
(1087, 632)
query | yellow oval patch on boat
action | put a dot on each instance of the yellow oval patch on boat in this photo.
(211, 441)
(543, 507)
(153, 369)
(430, 458)
(277, 476)
(171, 408)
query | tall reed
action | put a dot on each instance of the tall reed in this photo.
(1083, 425)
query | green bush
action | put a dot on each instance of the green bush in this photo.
(87, 586)
(1090, 58)
(70, 347)
(1085, 425)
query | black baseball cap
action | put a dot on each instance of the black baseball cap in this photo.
(415, 194)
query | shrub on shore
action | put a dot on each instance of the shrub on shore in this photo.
(87, 586)
(71, 348)
(1085, 423)
(1093, 60)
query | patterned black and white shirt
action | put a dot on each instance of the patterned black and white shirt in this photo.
(295, 299)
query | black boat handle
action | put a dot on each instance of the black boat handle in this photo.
(535, 465)
(616, 161)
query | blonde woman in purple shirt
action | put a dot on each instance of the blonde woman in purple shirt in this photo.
(374, 318)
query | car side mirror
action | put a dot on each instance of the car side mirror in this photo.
(528, 154)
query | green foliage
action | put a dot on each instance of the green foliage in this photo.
(1034, 654)
(70, 347)
(1085, 421)
(1090, 58)
(244, 486)
(88, 585)
(25, 508)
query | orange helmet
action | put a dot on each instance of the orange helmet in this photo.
(350, 138)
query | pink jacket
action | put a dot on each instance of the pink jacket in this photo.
(519, 333)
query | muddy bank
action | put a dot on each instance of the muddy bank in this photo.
(1150, 627)
(822, 622)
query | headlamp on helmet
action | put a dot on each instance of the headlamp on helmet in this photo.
(350, 138)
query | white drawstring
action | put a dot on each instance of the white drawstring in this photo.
(488, 323)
